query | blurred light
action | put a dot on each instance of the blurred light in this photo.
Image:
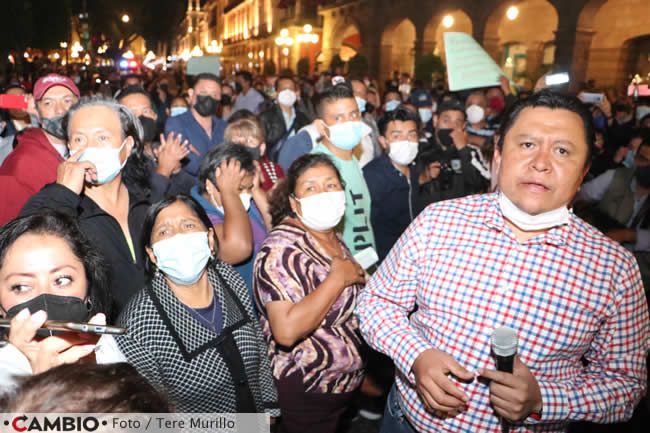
(124, 64)
(63, 62)
(126, 18)
(169, 58)
(284, 33)
(250, 54)
(11, 59)
(448, 21)
(57, 56)
(261, 54)
(133, 64)
(98, 80)
(185, 55)
(26, 55)
(285, 51)
(512, 13)
(150, 56)
(189, 29)
(128, 55)
(63, 44)
(307, 28)
(196, 51)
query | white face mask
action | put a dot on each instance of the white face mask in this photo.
(403, 152)
(287, 97)
(475, 113)
(245, 200)
(529, 223)
(106, 161)
(182, 258)
(322, 211)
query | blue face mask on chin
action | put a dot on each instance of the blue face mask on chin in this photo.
(175, 111)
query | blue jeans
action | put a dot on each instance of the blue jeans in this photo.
(394, 419)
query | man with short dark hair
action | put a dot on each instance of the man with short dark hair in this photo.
(282, 118)
(248, 97)
(165, 155)
(39, 151)
(392, 178)
(517, 258)
(199, 124)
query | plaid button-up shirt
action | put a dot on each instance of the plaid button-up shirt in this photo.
(574, 297)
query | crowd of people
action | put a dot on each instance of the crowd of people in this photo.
(321, 248)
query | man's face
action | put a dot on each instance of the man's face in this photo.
(55, 102)
(398, 130)
(542, 163)
(392, 96)
(476, 99)
(642, 157)
(359, 89)
(285, 84)
(14, 113)
(205, 88)
(140, 105)
(450, 119)
(340, 111)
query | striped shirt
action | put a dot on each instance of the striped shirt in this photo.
(572, 295)
(290, 265)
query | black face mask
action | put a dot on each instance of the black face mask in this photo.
(149, 128)
(642, 176)
(206, 105)
(54, 126)
(238, 87)
(369, 108)
(64, 308)
(444, 137)
(255, 152)
(226, 100)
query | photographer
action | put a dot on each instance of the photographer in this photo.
(438, 181)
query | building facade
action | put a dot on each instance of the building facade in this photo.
(255, 35)
(607, 41)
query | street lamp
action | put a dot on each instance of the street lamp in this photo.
(126, 18)
(285, 41)
(512, 13)
(448, 21)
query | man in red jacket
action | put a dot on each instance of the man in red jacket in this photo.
(34, 161)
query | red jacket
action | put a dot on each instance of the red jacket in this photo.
(27, 169)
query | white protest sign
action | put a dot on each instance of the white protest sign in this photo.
(468, 64)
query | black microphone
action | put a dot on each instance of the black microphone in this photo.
(504, 349)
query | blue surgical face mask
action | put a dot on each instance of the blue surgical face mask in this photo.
(345, 135)
(106, 161)
(361, 103)
(175, 111)
(391, 105)
(425, 114)
(183, 257)
(629, 159)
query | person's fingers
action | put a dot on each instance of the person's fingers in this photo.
(433, 395)
(459, 371)
(98, 319)
(446, 393)
(75, 353)
(24, 326)
(74, 157)
(498, 376)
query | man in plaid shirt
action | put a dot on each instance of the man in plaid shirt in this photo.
(516, 258)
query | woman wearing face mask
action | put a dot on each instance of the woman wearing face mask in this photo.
(249, 132)
(49, 271)
(192, 330)
(104, 184)
(228, 182)
(306, 286)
